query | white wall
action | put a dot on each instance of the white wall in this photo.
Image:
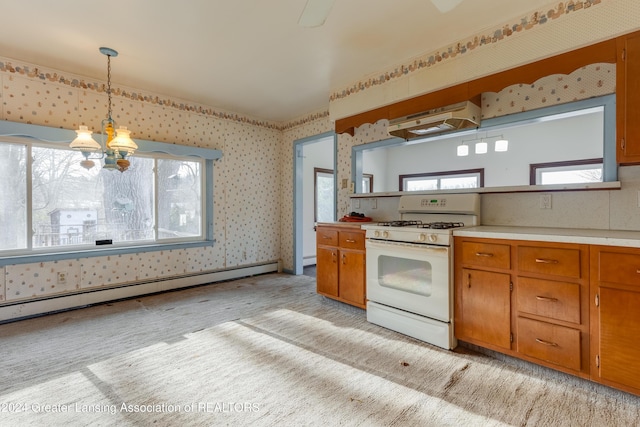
(316, 155)
(375, 163)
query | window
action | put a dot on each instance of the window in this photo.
(324, 200)
(448, 180)
(575, 130)
(569, 172)
(367, 183)
(50, 202)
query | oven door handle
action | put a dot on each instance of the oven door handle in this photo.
(382, 245)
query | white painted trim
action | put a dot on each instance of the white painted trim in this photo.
(18, 310)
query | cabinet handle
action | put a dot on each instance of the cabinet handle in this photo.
(541, 298)
(344, 258)
(484, 254)
(549, 343)
(350, 241)
(324, 236)
(638, 271)
(469, 280)
(334, 256)
(546, 261)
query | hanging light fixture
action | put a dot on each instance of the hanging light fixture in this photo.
(116, 144)
(463, 150)
(502, 144)
(481, 147)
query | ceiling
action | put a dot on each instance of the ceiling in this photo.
(245, 56)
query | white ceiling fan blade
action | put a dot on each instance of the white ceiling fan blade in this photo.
(445, 6)
(315, 13)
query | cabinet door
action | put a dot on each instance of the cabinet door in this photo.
(619, 329)
(327, 271)
(628, 100)
(484, 307)
(352, 280)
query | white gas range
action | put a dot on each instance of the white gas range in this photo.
(409, 266)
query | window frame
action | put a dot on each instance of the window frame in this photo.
(536, 168)
(27, 134)
(439, 175)
(498, 124)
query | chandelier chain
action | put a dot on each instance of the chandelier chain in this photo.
(109, 85)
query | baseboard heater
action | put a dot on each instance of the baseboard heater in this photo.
(19, 310)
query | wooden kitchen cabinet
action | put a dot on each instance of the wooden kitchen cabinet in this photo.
(615, 317)
(628, 99)
(525, 299)
(484, 308)
(552, 311)
(483, 285)
(340, 263)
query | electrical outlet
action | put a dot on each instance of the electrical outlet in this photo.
(545, 201)
(62, 278)
(356, 204)
(374, 203)
(345, 183)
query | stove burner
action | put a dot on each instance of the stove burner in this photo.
(400, 223)
(441, 225)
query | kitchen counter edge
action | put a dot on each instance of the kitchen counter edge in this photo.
(560, 235)
(342, 224)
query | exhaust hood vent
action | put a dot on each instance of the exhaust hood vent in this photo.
(463, 115)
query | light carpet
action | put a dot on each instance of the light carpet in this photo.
(269, 351)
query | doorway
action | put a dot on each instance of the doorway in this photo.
(310, 155)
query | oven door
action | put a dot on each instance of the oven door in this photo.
(410, 277)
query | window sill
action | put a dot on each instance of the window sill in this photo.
(614, 185)
(98, 252)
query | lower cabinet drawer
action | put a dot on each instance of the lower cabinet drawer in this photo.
(545, 260)
(555, 300)
(552, 343)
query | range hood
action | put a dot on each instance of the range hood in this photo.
(439, 120)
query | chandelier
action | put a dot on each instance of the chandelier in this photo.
(116, 144)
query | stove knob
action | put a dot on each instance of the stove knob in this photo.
(433, 238)
(422, 237)
(385, 234)
(377, 233)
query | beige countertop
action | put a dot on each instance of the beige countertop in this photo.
(342, 224)
(563, 235)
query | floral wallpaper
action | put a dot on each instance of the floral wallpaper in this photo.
(2, 284)
(586, 82)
